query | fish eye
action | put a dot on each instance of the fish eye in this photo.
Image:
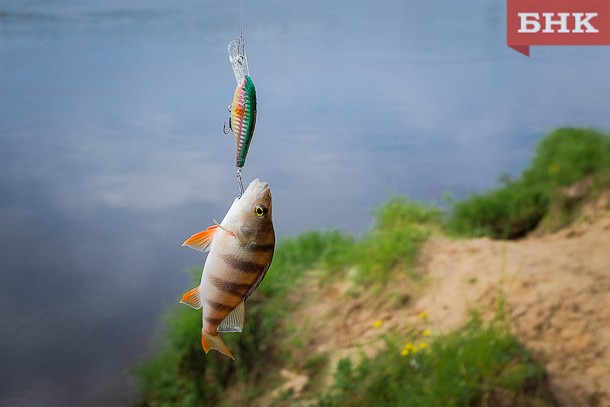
(260, 210)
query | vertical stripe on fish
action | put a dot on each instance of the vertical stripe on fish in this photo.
(247, 271)
(228, 287)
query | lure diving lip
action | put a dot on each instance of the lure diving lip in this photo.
(238, 58)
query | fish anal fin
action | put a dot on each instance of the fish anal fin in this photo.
(192, 298)
(234, 322)
(214, 342)
(201, 241)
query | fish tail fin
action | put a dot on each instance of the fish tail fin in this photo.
(214, 342)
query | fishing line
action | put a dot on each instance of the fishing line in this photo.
(241, 42)
(241, 20)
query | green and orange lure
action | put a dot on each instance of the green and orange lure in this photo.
(243, 118)
(243, 109)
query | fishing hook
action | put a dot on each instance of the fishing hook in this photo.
(226, 129)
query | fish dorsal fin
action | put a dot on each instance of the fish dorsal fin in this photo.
(234, 322)
(201, 241)
(192, 298)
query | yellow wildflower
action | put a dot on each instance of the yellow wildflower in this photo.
(426, 332)
(423, 345)
(378, 323)
(423, 315)
(404, 352)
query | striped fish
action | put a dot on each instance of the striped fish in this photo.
(240, 253)
(243, 118)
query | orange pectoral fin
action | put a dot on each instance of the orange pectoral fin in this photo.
(201, 241)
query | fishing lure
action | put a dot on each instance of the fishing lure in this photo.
(243, 109)
(243, 118)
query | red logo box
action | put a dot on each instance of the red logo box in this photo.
(557, 22)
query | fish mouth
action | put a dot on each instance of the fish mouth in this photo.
(264, 192)
(257, 187)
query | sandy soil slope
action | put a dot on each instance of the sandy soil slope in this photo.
(557, 300)
(557, 291)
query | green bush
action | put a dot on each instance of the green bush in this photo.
(399, 230)
(563, 157)
(506, 213)
(457, 369)
(568, 155)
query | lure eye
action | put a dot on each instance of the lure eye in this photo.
(260, 210)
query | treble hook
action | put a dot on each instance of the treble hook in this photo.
(225, 128)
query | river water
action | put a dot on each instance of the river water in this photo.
(112, 152)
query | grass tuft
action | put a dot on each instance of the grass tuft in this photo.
(400, 229)
(563, 157)
(458, 369)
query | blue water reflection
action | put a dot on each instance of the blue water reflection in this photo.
(112, 152)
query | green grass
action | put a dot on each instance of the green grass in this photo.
(462, 368)
(563, 157)
(400, 229)
(180, 374)
(459, 369)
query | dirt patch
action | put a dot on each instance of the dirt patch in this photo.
(556, 290)
(557, 293)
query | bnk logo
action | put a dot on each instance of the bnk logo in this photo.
(557, 22)
(530, 23)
